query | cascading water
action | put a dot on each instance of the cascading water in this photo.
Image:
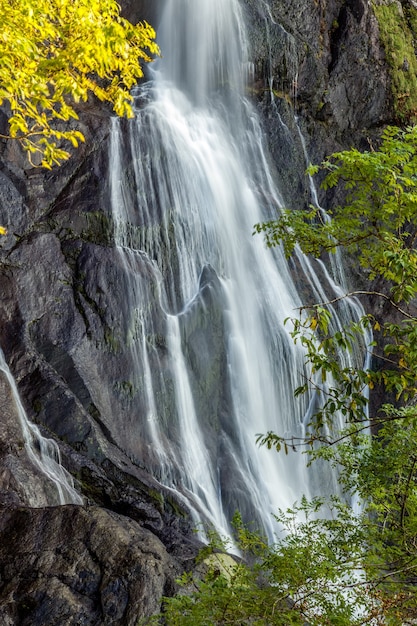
(49, 483)
(187, 185)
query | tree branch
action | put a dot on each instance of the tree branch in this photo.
(360, 293)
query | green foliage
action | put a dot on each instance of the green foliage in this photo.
(318, 572)
(377, 223)
(332, 565)
(54, 53)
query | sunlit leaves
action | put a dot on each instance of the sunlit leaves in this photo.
(54, 53)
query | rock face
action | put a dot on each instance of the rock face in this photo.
(323, 61)
(65, 332)
(71, 566)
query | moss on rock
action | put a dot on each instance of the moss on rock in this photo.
(397, 26)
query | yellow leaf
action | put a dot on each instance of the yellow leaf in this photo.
(3, 231)
(57, 52)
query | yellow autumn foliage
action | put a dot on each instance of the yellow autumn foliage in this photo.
(55, 53)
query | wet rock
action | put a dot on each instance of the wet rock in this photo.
(324, 63)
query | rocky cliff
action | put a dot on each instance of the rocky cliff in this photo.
(64, 330)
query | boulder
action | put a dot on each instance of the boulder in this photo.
(71, 565)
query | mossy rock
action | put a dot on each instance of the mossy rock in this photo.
(398, 32)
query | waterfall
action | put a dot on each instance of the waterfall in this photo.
(45, 481)
(189, 179)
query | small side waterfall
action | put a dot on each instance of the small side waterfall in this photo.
(45, 482)
(217, 366)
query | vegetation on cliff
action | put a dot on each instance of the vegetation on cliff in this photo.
(397, 23)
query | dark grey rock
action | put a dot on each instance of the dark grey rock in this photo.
(73, 565)
(320, 70)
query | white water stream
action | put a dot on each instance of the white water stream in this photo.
(52, 484)
(187, 186)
